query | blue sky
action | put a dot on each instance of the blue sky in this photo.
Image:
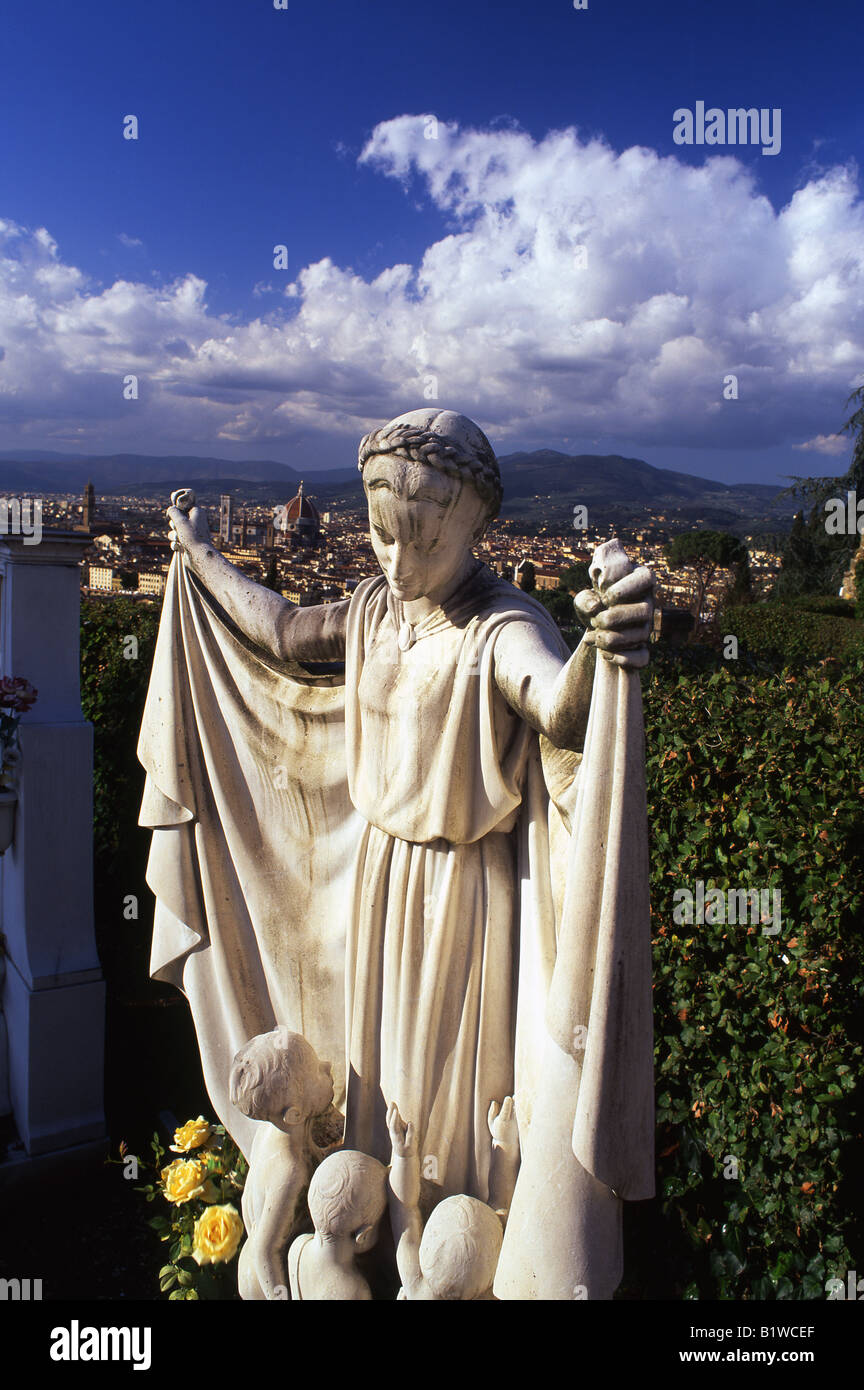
(551, 262)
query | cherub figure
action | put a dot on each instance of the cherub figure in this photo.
(347, 1198)
(277, 1079)
(455, 1256)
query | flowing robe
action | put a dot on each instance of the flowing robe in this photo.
(437, 761)
(381, 866)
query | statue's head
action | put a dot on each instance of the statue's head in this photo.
(347, 1197)
(460, 1248)
(433, 486)
(278, 1077)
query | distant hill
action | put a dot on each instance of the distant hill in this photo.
(607, 483)
(144, 473)
(541, 485)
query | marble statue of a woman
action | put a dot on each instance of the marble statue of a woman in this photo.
(433, 865)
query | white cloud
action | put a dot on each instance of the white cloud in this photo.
(826, 444)
(577, 293)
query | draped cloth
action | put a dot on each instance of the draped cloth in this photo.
(253, 839)
(591, 1140)
(447, 920)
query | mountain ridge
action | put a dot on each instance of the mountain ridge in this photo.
(538, 484)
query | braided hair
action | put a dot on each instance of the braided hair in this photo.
(479, 466)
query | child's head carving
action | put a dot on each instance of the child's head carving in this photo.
(460, 1248)
(347, 1196)
(277, 1076)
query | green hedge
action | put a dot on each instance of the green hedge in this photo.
(826, 603)
(795, 635)
(755, 780)
(114, 679)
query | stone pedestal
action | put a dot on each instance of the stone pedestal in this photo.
(53, 992)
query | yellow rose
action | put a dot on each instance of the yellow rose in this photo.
(190, 1136)
(218, 1232)
(186, 1178)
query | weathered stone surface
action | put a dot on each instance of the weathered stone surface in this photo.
(434, 868)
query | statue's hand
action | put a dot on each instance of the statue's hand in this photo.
(502, 1125)
(188, 523)
(401, 1134)
(620, 618)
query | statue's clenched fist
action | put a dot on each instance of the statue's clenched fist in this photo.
(188, 522)
(619, 618)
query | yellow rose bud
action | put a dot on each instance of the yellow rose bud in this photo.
(184, 1179)
(218, 1232)
(191, 1136)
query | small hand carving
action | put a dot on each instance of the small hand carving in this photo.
(502, 1125)
(188, 523)
(401, 1133)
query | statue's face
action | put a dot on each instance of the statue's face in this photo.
(422, 525)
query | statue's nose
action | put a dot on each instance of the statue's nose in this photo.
(400, 565)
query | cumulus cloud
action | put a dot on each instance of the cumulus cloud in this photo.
(578, 293)
(826, 444)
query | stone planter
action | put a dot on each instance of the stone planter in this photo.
(8, 802)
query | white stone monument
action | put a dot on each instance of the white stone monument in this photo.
(433, 866)
(53, 993)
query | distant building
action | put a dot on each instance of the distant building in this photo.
(88, 509)
(103, 577)
(302, 597)
(547, 579)
(226, 518)
(241, 553)
(109, 539)
(298, 520)
(151, 583)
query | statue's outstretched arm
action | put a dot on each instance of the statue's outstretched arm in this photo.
(266, 618)
(552, 694)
